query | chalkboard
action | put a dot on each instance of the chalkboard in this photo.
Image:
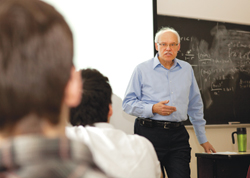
(220, 56)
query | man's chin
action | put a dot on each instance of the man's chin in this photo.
(169, 59)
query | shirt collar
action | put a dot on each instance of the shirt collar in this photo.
(157, 62)
(103, 125)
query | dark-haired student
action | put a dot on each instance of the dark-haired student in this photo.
(38, 85)
(120, 155)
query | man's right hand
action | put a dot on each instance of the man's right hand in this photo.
(162, 109)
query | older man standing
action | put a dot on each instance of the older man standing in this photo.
(161, 93)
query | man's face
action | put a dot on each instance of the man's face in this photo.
(167, 47)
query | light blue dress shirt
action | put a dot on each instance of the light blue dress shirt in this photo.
(151, 83)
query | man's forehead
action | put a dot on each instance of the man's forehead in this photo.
(168, 35)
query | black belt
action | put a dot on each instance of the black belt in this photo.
(154, 123)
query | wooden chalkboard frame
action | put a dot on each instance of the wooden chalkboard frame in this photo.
(220, 56)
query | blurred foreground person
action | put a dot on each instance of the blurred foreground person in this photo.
(38, 84)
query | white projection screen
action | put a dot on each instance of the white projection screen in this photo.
(112, 36)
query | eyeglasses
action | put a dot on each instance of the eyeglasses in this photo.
(165, 45)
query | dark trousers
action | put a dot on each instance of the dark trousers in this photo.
(172, 148)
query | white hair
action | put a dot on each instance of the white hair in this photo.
(166, 29)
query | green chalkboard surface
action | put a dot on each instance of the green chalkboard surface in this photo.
(220, 56)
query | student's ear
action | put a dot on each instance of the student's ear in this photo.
(73, 90)
(110, 113)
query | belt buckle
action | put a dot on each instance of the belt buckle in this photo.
(142, 122)
(146, 122)
(166, 125)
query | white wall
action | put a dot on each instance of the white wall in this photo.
(217, 10)
(112, 36)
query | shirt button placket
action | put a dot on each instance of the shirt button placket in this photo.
(169, 87)
(168, 84)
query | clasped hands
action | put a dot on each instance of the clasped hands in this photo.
(163, 109)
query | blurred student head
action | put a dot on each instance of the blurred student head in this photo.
(96, 101)
(37, 75)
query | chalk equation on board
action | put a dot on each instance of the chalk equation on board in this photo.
(218, 67)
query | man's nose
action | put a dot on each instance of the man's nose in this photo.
(168, 47)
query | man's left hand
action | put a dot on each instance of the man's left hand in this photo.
(208, 148)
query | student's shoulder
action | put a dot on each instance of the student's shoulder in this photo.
(75, 132)
(140, 141)
(115, 133)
